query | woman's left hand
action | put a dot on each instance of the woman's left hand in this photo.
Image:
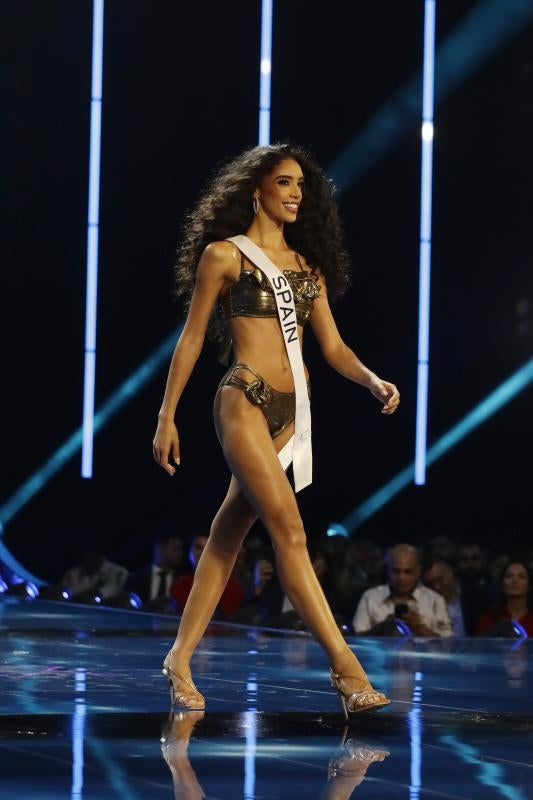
(386, 393)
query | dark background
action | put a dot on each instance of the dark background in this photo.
(181, 94)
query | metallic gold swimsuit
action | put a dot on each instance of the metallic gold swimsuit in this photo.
(252, 296)
(278, 407)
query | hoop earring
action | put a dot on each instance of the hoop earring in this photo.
(255, 205)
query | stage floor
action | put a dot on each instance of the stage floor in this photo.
(84, 714)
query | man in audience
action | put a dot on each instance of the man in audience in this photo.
(471, 565)
(360, 567)
(266, 602)
(152, 583)
(94, 575)
(465, 605)
(404, 598)
(442, 547)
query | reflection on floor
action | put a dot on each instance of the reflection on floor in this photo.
(84, 714)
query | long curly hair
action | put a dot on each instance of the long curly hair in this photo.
(225, 209)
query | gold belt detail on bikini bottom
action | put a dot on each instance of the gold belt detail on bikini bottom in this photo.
(279, 408)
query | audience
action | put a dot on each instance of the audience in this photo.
(243, 570)
(442, 547)
(471, 565)
(152, 583)
(267, 595)
(94, 575)
(361, 567)
(265, 602)
(515, 602)
(467, 588)
(417, 606)
(495, 567)
(464, 605)
(322, 567)
(232, 597)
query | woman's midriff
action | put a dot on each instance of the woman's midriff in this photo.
(258, 342)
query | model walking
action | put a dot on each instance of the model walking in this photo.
(254, 294)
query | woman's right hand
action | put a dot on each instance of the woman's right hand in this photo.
(166, 442)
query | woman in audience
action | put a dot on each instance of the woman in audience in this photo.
(514, 603)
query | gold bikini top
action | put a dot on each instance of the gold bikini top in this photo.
(253, 296)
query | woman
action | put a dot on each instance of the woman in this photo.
(515, 601)
(282, 201)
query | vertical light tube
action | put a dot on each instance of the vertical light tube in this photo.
(250, 723)
(265, 71)
(425, 241)
(78, 734)
(414, 722)
(92, 240)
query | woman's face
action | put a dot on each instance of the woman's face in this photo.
(280, 193)
(515, 581)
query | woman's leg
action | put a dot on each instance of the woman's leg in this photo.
(252, 457)
(228, 531)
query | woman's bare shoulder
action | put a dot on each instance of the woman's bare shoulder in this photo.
(221, 257)
(221, 250)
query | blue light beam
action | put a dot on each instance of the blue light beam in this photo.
(126, 391)
(515, 384)
(477, 37)
(428, 91)
(488, 774)
(92, 240)
(265, 71)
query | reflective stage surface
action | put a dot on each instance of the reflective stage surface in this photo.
(84, 714)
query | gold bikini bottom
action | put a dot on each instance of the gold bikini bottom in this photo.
(279, 408)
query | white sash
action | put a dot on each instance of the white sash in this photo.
(298, 449)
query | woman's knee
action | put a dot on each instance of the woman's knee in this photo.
(286, 529)
(234, 519)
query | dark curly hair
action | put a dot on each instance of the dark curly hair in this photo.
(225, 209)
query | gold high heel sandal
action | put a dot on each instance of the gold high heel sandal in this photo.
(355, 759)
(355, 702)
(185, 698)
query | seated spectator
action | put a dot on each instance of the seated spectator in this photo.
(243, 570)
(322, 567)
(152, 583)
(361, 567)
(442, 547)
(267, 604)
(515, 601)
(264, 598)
(232, 596)
(94, 575)
(464, 603)
(472, 565)
(495, 568)
(421, 609)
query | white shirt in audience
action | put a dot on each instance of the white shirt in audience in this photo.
(377, 604)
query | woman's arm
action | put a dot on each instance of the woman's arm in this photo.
(342, 359)
(214, 269)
